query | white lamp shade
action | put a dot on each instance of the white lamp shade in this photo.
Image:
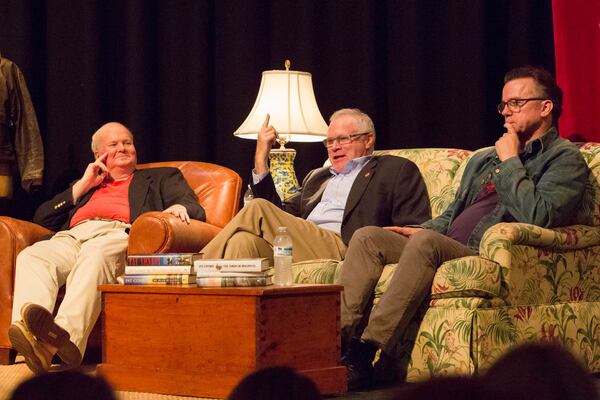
(288, 97)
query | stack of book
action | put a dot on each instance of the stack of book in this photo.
(161, 269)
(240, 272)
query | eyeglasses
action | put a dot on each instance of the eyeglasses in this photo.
(343, 139)
(515, 105)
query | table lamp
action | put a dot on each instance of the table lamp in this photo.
(288, 97)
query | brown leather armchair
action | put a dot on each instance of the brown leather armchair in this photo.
(217, 188)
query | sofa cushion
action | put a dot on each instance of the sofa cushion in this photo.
(315, 271)
(467, 277)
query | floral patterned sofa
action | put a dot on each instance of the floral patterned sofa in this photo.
(527, 284)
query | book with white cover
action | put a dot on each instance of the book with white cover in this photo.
(238, 265)
(221, 274)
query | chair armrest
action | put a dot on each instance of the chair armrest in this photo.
(159, 232)
(497, 241)
(15, 235)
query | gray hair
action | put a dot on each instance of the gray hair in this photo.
(365, 123)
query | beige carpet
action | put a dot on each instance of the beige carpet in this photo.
(12, 375)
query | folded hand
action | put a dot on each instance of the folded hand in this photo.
(403, 230)
(179, 211)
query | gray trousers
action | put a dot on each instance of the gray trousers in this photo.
(418, 257)
(251, 232)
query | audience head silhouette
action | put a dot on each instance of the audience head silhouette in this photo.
(541, 371)
(275, 383)
(64, 385)
(527, 372)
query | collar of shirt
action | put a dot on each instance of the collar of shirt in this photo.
(353, 165)
(541, 143)
(533, 147)
(329, 212)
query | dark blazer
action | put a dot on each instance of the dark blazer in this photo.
(389, 190)
(151, 189)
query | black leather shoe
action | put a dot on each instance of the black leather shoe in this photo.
(358, 360)
(389, 371)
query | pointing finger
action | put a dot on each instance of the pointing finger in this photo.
(266, 123)
(102, 167)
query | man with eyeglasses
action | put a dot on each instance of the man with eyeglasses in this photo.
(532, 176)
(357, 190)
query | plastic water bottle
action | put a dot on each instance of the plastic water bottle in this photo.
(248, 195)
(282, 253)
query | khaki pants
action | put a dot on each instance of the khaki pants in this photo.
(418, 257)
(83, 257)
(251, 232)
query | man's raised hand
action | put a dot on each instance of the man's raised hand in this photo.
(508, 144)
(264, 142)
(93, 175)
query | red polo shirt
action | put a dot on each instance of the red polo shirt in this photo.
(109, 201)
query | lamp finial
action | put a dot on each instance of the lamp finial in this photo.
(282, 140)
(287, 64)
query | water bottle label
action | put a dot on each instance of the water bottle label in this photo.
(282, 251)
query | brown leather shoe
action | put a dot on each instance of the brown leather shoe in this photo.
(38, 359)
(40, 323)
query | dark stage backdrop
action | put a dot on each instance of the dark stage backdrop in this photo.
(184, 74)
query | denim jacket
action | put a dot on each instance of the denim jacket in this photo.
(542, 186)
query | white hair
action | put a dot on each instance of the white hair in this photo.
(365, 123)
(96, 136)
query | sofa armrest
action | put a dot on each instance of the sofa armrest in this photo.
(159, 232)
(544, 266)
(497, 241)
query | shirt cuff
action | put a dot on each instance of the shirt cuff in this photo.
(256, 178)
(506, 169)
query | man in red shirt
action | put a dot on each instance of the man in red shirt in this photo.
(93, 216)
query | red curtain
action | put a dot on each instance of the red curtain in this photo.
(577, 52)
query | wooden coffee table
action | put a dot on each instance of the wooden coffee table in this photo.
(201, 341)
